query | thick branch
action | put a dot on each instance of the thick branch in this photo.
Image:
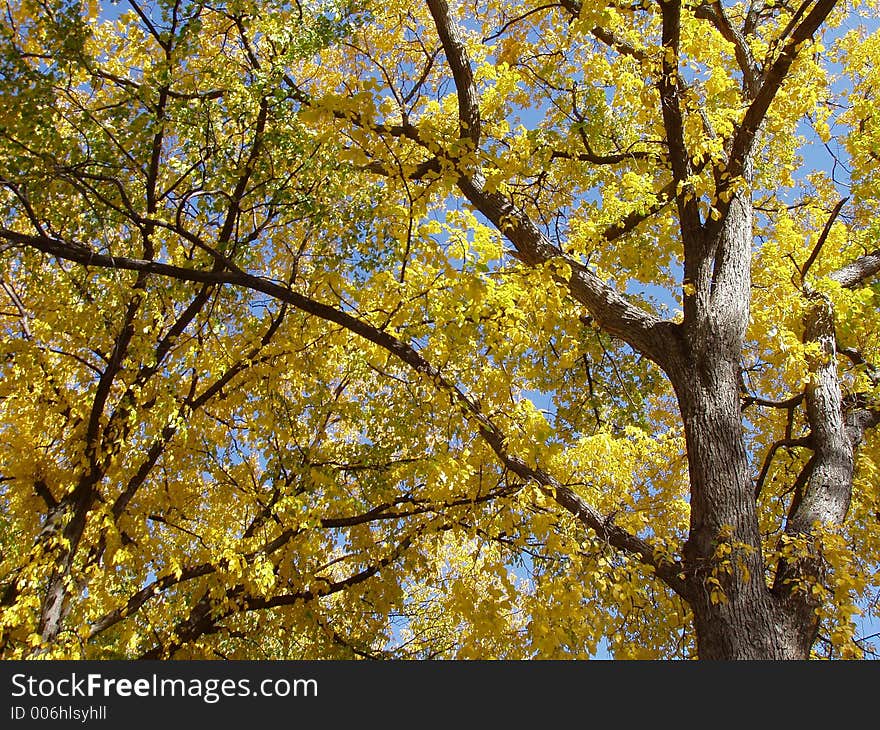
(608, 308)
(670, 100)
(645, 332)
(859, 271)
(673, 122)
(827, 491)
(605, 35)
(773, 78)
(826, 498)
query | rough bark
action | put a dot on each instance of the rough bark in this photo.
(825, 498)
(734, 615)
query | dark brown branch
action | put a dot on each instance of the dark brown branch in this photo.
(588, 516)
(597, 159)
(744, 138)
(768, 460)
(814, 254)
(670, 99)
(630, 222)
(606, 36)
(44, 493)
(714, 12)
(155, 588)
(202, 621)
(786, 404)
(673, 122)
(457, 58)
(519, 18)
(645, 332)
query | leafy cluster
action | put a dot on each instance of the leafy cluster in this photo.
(274, 382)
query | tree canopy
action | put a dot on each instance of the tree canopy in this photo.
(439, 329)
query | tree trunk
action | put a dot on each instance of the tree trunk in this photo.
(735, 614)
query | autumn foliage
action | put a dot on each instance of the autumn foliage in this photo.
(415, 330)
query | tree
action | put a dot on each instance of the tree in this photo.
(416, 329)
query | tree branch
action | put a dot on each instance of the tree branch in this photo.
(673, 123)
(606, 36)
(773, 77)
(457, 58)
(783, 443)
(653, 337)
(822, 238)
(202, 621)
(714, 12)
